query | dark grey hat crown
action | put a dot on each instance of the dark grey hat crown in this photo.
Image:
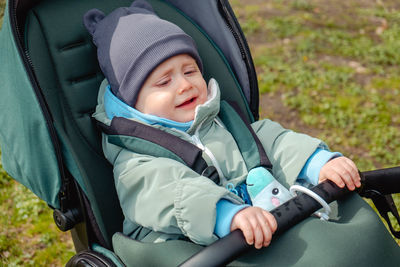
(133, 41)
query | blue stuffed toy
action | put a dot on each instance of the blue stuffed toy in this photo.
(264, 190)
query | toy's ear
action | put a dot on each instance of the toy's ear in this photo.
(91, 18)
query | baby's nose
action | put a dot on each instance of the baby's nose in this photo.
(184, 85)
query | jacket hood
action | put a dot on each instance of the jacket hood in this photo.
(204, 113)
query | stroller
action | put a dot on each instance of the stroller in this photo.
(50, 78)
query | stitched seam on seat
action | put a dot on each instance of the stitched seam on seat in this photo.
(83, 78)
(73, 45)
(63, 99)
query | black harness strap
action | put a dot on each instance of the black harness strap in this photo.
(163, 144)
(189, 153)
(249, 145)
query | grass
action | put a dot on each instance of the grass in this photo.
(334, 66)
(340, 74)
(2, 8)
(28, 235)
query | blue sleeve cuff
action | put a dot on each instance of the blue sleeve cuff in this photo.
(225, 212)
(310, 171)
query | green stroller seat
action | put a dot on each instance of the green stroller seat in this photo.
(52, 145)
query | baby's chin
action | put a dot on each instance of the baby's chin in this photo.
(185, 117)
(185, 120)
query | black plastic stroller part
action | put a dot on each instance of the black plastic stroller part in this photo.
(70, 212)
(378, 186)
(299, 208)
(385, 205)
(89, 258)
(66, 221)
(223, 251)
(385, 181)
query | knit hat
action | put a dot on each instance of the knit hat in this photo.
(131, 42)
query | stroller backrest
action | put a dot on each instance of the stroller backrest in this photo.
(66, 69)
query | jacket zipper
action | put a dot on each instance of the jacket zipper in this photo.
(196, 141)
(234, 27)
(27, 62)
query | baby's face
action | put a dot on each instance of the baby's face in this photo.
(173, 90)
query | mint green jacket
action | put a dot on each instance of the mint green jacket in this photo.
(163, 196)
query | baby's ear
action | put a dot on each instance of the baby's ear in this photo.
(91, 18)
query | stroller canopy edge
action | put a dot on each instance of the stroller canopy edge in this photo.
(27, 151)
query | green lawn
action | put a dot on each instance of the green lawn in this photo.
(28, 235)
(336, 67)
(340, 74)
(327, 69)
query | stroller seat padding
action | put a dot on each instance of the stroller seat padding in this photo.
(65, 65)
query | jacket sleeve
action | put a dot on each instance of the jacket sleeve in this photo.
(288, 151)
(167, 196)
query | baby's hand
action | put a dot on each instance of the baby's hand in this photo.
(342, 171)
(256, 224)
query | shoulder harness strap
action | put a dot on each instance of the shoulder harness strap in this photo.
(148, 140)
(249, 145)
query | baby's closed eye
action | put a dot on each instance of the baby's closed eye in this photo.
(163, 81)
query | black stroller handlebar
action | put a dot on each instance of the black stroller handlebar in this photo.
(292, 212)
(288, 214)
(385, 181)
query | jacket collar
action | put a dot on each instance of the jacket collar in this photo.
(204, 113)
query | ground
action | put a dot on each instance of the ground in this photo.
(327, 74)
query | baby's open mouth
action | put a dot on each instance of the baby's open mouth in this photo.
(187, 102)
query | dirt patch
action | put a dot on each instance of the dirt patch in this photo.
(271, 107)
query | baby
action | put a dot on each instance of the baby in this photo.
(154, 76)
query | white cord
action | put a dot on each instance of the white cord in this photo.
(214, 161)
(219, 123)
(322, 215)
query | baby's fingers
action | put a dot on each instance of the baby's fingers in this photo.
(336, 178)
(259, 235)
(257, 226)
(268, 225)
(353, 172)
(349, 175)
(271, 221)
(261, 229)
(248, 232)
(342, 171)
(347, 179)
